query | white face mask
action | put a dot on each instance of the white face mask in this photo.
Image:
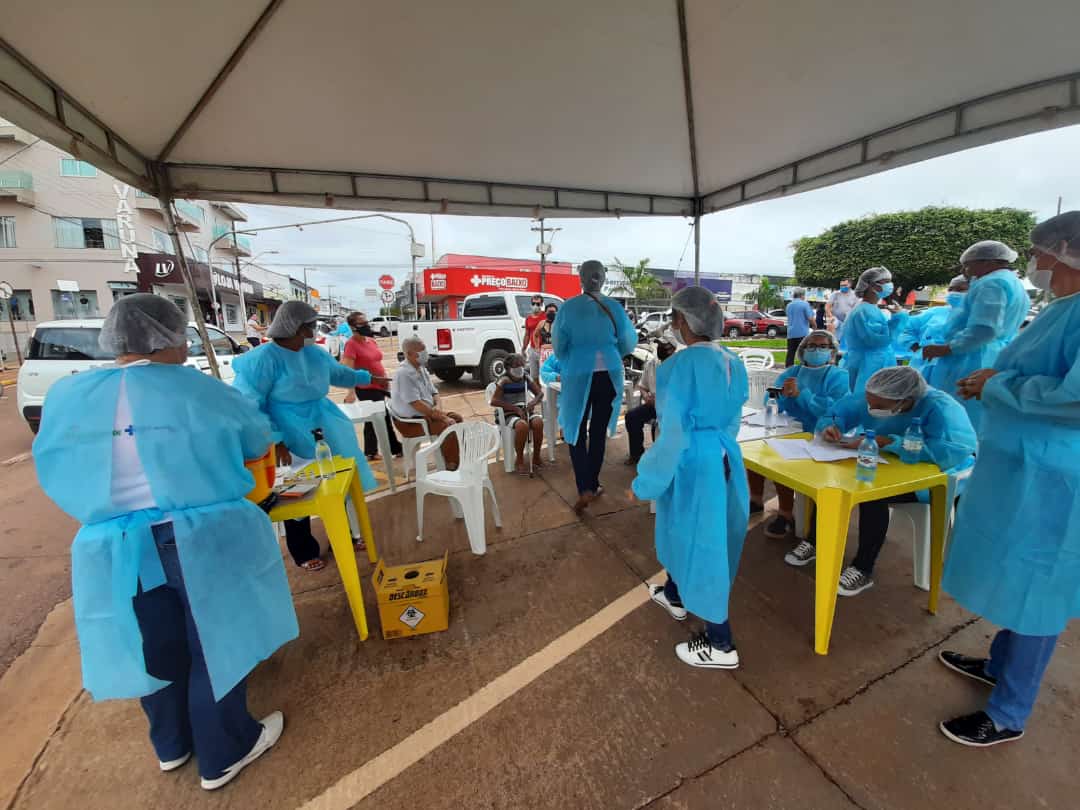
(309, 342)
(422, 357)
(881, 413)
(1039, 278)
(673, 336)
(517, 373)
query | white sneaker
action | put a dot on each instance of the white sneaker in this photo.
(801, 555)
(656, 593)
(272, 726)
(853, 582)
(698, 652)
(173, 764)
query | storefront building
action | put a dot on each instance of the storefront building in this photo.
(443, 288)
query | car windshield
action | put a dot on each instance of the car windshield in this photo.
(67, 343)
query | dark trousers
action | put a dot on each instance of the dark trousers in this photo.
(587, 455)
(301, 542)
(792, 345)
(636, 419)
(254, 341)
(184, 716)
(371, 441)
(719, 635)
(873, 527)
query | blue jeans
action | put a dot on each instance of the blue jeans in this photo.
(719, 635)
(184, 716)
(1018, 663)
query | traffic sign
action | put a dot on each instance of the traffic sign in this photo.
(387, 296)
(386, 282)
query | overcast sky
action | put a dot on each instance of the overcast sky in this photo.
(1028, 172)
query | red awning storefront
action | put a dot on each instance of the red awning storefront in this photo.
(445, 288)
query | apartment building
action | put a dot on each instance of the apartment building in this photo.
(68, 251)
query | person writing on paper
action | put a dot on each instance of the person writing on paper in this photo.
(179, 588)
(694, 472)
(512, 395)
(929, 327)
(591, 335)
(1014, 558)
(807, 392)
(288, 380)
(989, 318)
(894, 397)
(637, 418)
(867, 338)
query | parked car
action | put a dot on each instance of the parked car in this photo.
(326, 337)
(764, 324)
(779, 314)
(384, 325)
(736, 327)
(60, 348)
(652, 322)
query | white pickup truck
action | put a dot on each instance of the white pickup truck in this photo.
(492, 325)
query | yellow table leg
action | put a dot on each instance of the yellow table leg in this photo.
(833, 511)
(356, 492)
(336, 521)
(939, 516)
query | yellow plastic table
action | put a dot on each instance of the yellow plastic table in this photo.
(328, 503)
(832, 485)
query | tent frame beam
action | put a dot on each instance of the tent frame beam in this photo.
(688, 90)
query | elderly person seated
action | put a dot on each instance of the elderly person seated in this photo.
(413, 395)
(512, 395)
(1014, 558)
(178, 583)
(288, 380)
(637, 418)
(807, 392)
(894, 398)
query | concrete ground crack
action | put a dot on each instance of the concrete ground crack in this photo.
(40, 754)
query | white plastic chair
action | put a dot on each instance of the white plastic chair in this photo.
(465, 486)
(506, 435)
(411, 444)
(757, 359)
(919, 515)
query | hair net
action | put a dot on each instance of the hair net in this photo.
(592, 275)
(289, 318)
(818, 333)
(1047, 236)
(702, 312)
(897, 383)
(988, 250)
(959, 281)
(870, 277)
(143, 324)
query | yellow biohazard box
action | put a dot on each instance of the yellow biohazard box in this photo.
(413, 599)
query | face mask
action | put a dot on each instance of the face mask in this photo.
(881, 413)
(309, 342)
(954, 299)
(537, 307)
(672, 336)
(1039, 278)
(551, 317)
(817, 357)
(845, 289)
(422, 357)
(517, 373)
(887, 289)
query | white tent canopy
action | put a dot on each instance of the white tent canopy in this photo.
(560, 108)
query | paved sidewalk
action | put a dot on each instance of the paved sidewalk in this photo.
(556, 687)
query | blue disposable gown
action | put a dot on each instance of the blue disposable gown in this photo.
(586, 340)
(920, 330)
(898, 324)
(702, 502)
(291, 387)
(819, 389)
(550, 371)
(948, 437)
(868, 343)
(987, 320)
(192, 434)
(1015, 551)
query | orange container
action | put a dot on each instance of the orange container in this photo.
(262, 469)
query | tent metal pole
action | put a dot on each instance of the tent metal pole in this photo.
(697, 247)
(170, 224)
(684, 47)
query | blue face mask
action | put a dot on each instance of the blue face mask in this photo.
(845, 289)
(817, 357)
(887, 289)
(954, 299)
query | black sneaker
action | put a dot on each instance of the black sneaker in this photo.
(756, 508)
(977, 731)
(779, 527)
(974, 668)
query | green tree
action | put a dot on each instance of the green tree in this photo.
(920, 247)
(646, 286)
(767, 296)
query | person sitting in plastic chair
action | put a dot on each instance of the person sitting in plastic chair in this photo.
(512, 395)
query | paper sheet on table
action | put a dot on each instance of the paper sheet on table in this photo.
(757, 419)
(793, 449)
(747, 410)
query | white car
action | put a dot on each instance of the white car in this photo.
(326, 337)
(384, 326)
(60, 348)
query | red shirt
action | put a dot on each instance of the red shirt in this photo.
(531, 323)
(366, 355)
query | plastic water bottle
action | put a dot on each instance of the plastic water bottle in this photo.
(912, 446)
(772, 413)
(866, 464)
(324, 458)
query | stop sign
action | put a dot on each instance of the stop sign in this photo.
(386, 282)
